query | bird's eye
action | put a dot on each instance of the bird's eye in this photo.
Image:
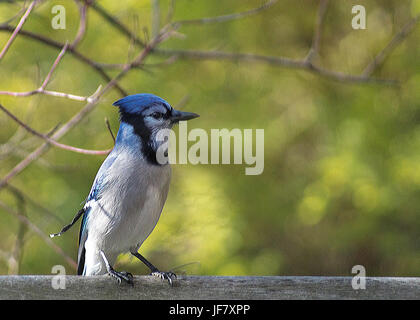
(156, 115)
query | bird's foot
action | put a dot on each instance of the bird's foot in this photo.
(164, 275)
(119, 275)
(122, 276)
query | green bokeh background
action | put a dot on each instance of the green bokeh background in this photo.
(341, 184)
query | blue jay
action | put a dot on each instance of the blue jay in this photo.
(129, 191)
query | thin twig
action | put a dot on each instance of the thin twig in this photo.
(395, 41)
(15, 257)
(279, 61)
(86, 109)
(314, 50)
(143, 67)
(46, 92)
(11, 145)
(22, 153)
(228, 17)
(82, 24)
(17, 14)
(41, 89)
(205, 55)
(73, 51)
(182, 102)
(132, 45)
(24, 163)
(51, 141)
(18, 27)
(45, 211)
(171, 11)
(108, 125)
(116, 23)
(302, 64)
(38, 231)
(54, 66)
(19, 134)
(155, 17)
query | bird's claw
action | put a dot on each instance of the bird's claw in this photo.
(164, 275)
(122, 275)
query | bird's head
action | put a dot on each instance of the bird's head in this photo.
(149, 113)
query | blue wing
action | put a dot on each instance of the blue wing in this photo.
(94, 195)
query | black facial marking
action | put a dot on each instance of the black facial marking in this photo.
(144, 134)
(167, 115)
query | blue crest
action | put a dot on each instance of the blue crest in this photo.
(136, 103)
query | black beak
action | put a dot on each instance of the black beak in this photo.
(182, 116)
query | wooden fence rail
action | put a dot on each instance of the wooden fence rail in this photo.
(208, 287)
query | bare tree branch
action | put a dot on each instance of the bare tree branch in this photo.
(117, 24)
(166, 32)
(11, 145)
(82, 25)
(24, 163)
(303, 64)
(395, 41)
(171, 11)
(155, 17)
(51, 141)
(228, 17)
(23, 199)
(21, 11)
(41, 89)
(148, 48)
(73, 51)
(18, 27)
(278, 61)
(16, 255)
(54, 66)
(38, 231)
(30, 201)
(314, 50)
(23, 153)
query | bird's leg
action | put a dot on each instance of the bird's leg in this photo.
(119, 275)
(155, 271)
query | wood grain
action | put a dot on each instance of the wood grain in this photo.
(208, 287)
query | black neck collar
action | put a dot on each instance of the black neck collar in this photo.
(144, 135)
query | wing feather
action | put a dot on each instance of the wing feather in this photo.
(95, 194)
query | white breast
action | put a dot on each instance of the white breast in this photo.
(130, 206)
